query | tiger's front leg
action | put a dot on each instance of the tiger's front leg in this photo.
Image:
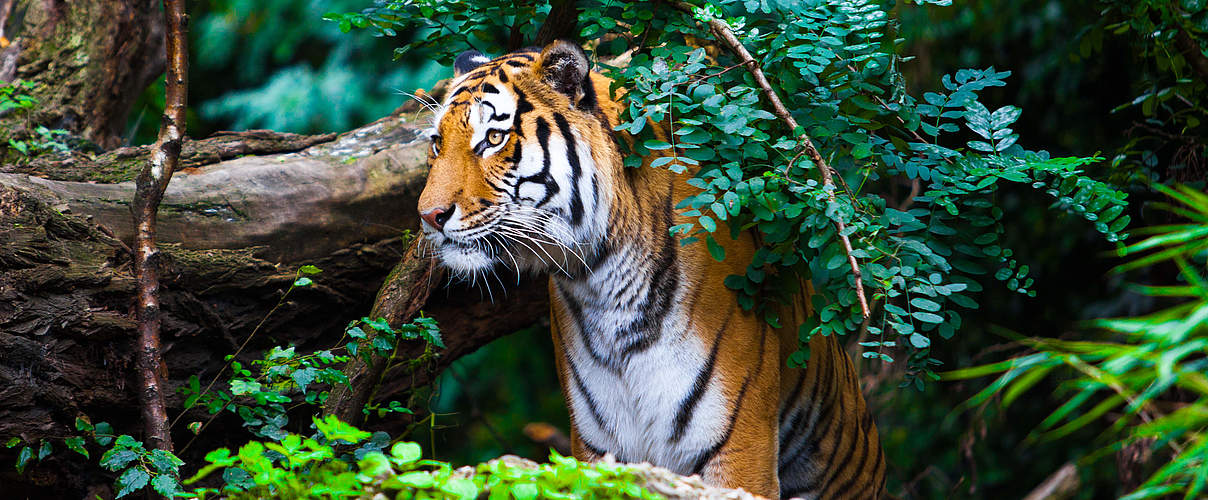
(749, 456)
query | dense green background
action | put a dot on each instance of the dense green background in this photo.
(275, 64)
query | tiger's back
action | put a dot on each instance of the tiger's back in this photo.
(657, 361)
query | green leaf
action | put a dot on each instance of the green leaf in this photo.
(166, 485)
(44, 450)
(165, 462)
(104, 433)
(76, 444)
(925, 304)
(240, 387)
(656, 144)
(13, 441)
(82, 424)
(374, 464)
(919, 341)
(309, 269)
(718, 253)
(23, 458)
(405, 452)
(134, 479)
(304, 377)
(303, 281)
(927, 317)
(463, 489)
(524, 491)
(417, 479)
(117, 458)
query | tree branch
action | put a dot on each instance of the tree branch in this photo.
(402, 295)
(149, 191)
(722, 32)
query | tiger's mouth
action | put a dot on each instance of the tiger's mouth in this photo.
(509, 238)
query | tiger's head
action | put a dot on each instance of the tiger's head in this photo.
(521, 160)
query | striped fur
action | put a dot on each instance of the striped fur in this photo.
(657, 361)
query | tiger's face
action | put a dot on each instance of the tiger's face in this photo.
(522, 155)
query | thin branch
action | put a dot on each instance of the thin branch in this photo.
(149, 190)
(722, 32)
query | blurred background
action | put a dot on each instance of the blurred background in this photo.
(275, 64)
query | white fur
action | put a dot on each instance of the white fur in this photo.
(641, 400)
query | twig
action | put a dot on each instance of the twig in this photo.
(1060, 485)
(149, 190)
(719, 73)
(238, 351)
(721, 30)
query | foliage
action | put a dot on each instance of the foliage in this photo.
(309, 467)
(259, 393)
(837, 68)
(273, 64)
(138, 467)
(15, 98)
(1149, 370)
(1171, 40)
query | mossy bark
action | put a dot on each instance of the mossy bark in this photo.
(89, 61)
(235, 231)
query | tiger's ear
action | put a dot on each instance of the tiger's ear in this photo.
(564, 66)
(467, 61)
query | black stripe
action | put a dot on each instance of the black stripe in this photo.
(544, 178)
(589, 102)
(516, 64)
(838, 435)
(572, 156)
(708, 454)
(488, 88)
(591, 447)
(522, 106)
(810, 440)
(496, 188)
(595, 193)
(790, 402)
(845, 464)
(688, 407)
(496, 117)
(602, 251)
(503, 76)
(576, 313)
(645, 329)
(591, 402)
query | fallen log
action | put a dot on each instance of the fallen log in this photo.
(235, 232)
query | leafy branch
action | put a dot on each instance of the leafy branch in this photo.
(725, 36)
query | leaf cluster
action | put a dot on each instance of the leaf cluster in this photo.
(15, 99)
(836, 66)
(312, 467)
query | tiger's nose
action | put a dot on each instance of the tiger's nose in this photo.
(437, 217)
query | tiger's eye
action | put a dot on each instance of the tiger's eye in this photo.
(436, 146)
(495, 137)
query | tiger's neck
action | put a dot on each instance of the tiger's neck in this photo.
(632, 276)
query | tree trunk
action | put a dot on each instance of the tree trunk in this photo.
(235, 232)
(89, 61)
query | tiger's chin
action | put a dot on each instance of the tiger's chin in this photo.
(465, 261)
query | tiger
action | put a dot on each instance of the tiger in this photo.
(657, 362)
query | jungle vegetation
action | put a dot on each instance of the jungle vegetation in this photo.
(1001, 204)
